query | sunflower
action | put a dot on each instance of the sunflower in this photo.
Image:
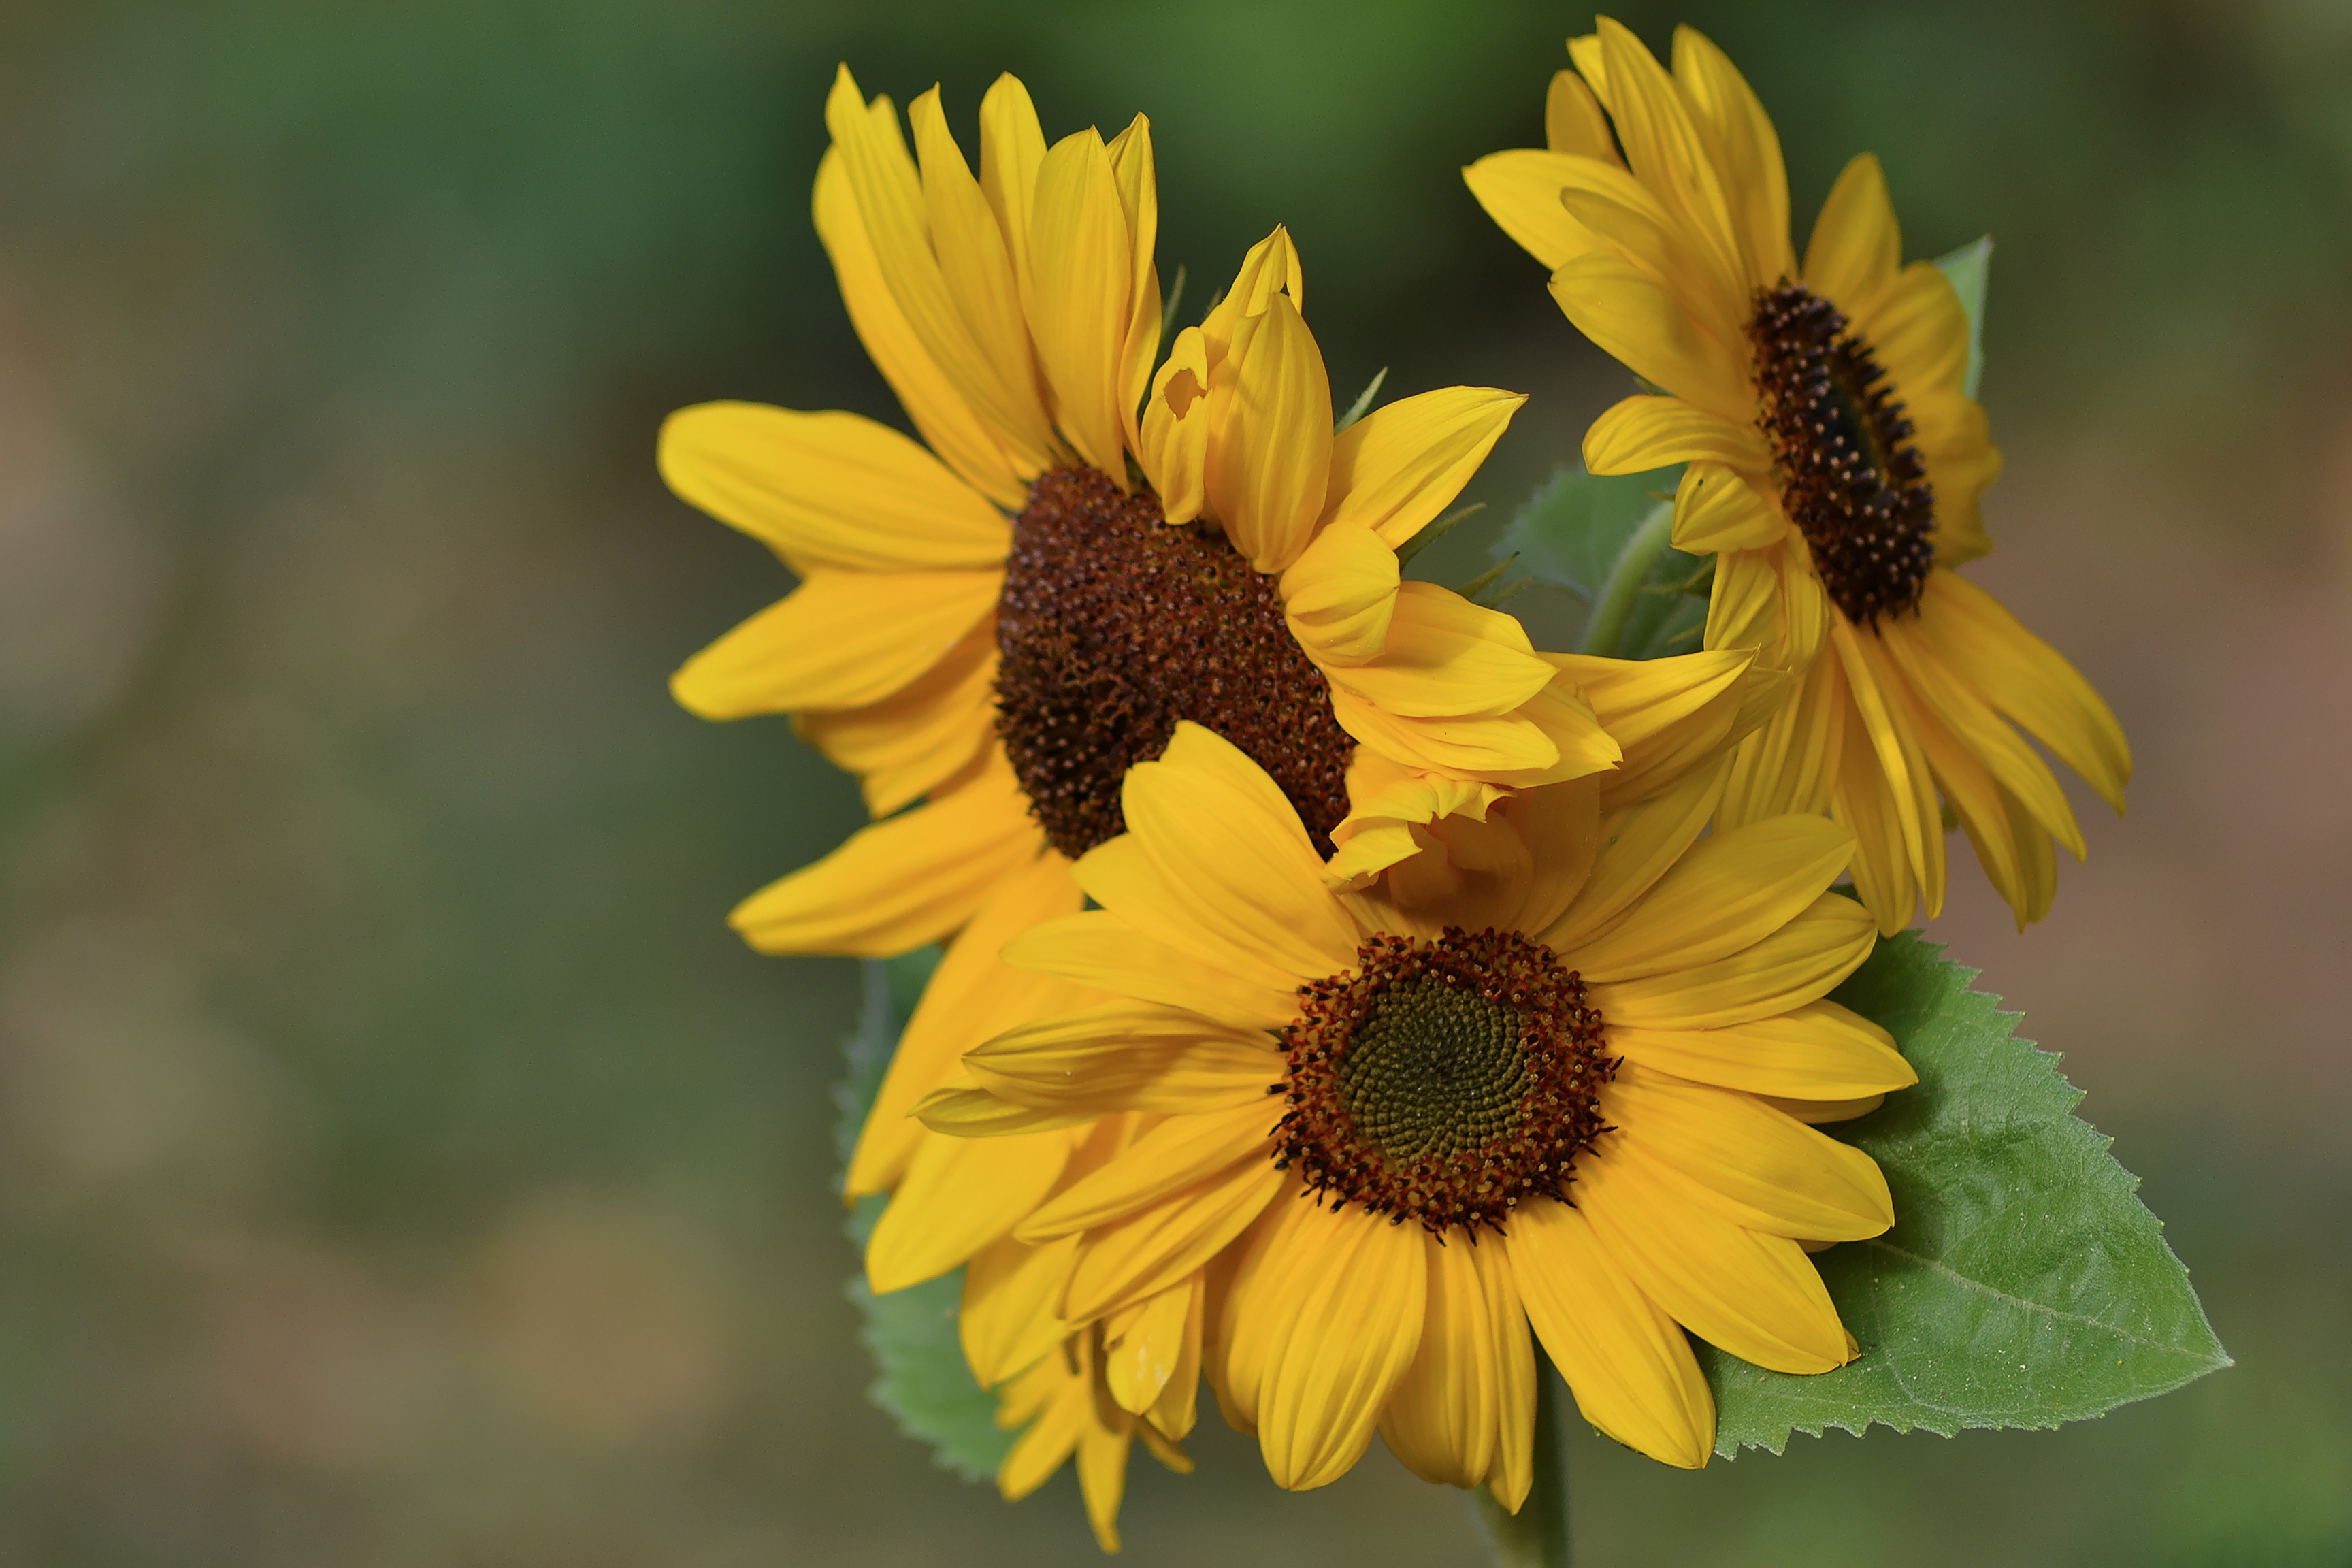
(989, 629)
(1555, 1068)
(1835, 461)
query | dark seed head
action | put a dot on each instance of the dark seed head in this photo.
(1850, 479)
(1444, 1082)
(1113, 626)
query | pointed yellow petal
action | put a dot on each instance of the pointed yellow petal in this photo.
(1665, 149)
(1638, 844)
(1058, 1410)
(1173, 439)
(1143, 1345)
(1393, 470)
(1177, 1155)
(1573, 121)
(1729, 892)
(1627, 213)
(1495, 748)
(1800, 963)
(1341, 1350)
(1756, 1166)
(1950, 699)
(958, 1194)
(1821, 1051)
(1100, 950)
(902, 882)
(1520, 191)
(1856, 247)
(1790, 763)
(1625, 1360)
(1339, 595)
(1624, 308)
(1643, 433)
(1669, 714)
(1757, 1296)
(1447, 657)
(1271, 268)
(843, 639)
(1447, 1415)
(1126, 1056)
(959, 1108)
(1270, 438)
(829, 489)
(1102, 1479)
(1918, 330)
(1139, 197)
(1744, 607)
(917, 738)
(1903, 783)
(1081, 261)
(1755, 182)
(1157, 1246)
(1012, 146)
(1007, 1319)
(1716, 508)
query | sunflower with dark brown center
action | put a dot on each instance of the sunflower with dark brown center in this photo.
(1834, 454)
(1438, 1045)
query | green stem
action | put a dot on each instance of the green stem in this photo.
(1537, 1536)
(1631, 570)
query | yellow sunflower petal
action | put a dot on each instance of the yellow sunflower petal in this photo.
(829, 489)
(917, 738)
(1174, 1412)
(1627, 1362)
(1903, 796)
(1627, 213)
(1143, 1344)
(842, 639)
(1800, 963)
(1971, 721)
(1443, 1420)
(1820, 1051)
(1081, 264)
(1669, 714)
(1007, 1320)
(1725, 894)
(1446, 656)
(1340, 594)
(1520, 191)
(1624, 308)
(1061, 1415)
(1341, 1350)
(1638, 844)
(958, 1194)
(1100, 950)
(1173, 439)
(1011, 148)
(1857, 247)
(1755, 181)
(1717, 509)
(1643, 433)
(1491, 748)
(1744, 606)
(1757, 1296)
(1139, 199)
(1790, 763)
(1102, 1479)
(1269, 464)
(1174, 1155)
(1126, 1056)
(1918, 330)
(2027, 680)
(1669, 153)
(1393, 470)
(1573, 121)
(1155, 1247)
(947, 422)
(1157, 899)
(902, 882)
(1758, 1167)
(1271, 268)
(959, 1108)
(971, 995)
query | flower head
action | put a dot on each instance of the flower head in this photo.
(1836, 457)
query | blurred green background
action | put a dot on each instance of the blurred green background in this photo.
(400, 1163)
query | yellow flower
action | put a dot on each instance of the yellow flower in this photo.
(990, 629)
(1835, 462)
(1576, 1049)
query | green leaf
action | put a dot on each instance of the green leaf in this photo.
(2024, 1284)
(924, 1380)
(1970, 268)
(1573, 531)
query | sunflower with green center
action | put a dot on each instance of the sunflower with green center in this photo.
(1835, 461)
(1555, 1068)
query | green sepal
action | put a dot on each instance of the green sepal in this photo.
(922, 1379)
(1970, 268)
(1570, 534)
(2024, 1283)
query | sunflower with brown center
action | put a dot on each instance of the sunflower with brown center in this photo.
(1555, 1070)
(1836, 461)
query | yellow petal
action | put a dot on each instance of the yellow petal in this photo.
(1821, 1051)
(1919, 331)
(843, 639)
(1856, 247)
(1472, 748)
(1139, 199)
(1800, 963)
(1081, 262)
(1144, 1345)
(1007, 1318)
(1755, 1166)
(968, 998)
(1744, 607)
(1643, 433)
(1638, 844)
(1269, 462)
(1056, 1404)
(1447, 657)
(1173, 439)
(1971, 721)
(1729, 892)
(1154, 1248)
(1445, 1421)
(1159, 901)
(1573, 121)
(1340, 594)
(1625, 1360)
(1624, 308)
(959, 1108)
(902, 882)
(1520, 191)
(1393, 470)
(1748, 148)
(1339, 1350)
(916, 739)
(1790, 763)
(1665, 149)
(829, 489)
(2027, 680)
(1902, 784)
(1177, 1155)
(1102, 1479)
(958, 1195)
(1754, 1295)
(1100, 950)
(1716, 508)
(1627, 213)
(946, 421)
(1271, 268)
(1012, 146)
(1126, 1057)
(1813, 1112)
(1669, 714)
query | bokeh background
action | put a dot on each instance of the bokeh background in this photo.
(400, 1163)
